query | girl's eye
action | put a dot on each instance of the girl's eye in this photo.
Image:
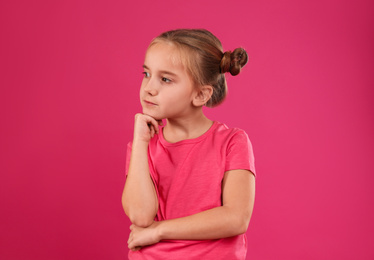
(146, 74)
(166, 80)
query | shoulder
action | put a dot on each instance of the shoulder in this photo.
(238, 149)
(233, 140)
(221, 127)
(230, 134)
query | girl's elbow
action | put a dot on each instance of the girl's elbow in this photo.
(139, 217)
(243, 226)
(125, 207)
(141, 221)
(242, 223)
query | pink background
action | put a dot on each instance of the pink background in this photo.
(70, 74)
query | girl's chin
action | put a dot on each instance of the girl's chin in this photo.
(156, 117)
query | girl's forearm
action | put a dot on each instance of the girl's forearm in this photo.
(215, 223)
(139, 197)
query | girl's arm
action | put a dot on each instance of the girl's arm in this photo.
(139, 198)
(230, 219)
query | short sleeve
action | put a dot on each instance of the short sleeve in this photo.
(239, 153)
(128, 156)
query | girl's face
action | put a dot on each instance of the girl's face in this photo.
(167, 89)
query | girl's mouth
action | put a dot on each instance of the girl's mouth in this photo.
(149, 103)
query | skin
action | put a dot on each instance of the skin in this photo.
(167, 92)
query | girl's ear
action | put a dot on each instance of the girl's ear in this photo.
(203, 95)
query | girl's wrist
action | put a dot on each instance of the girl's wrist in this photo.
(139, 143)
(160, 230)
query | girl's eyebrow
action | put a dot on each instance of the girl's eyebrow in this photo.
(162, 71)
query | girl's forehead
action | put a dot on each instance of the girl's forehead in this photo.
(164, 53)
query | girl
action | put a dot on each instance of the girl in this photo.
(190, 184)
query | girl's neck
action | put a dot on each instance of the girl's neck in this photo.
(186, 128)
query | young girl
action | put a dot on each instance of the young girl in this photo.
(190, 184)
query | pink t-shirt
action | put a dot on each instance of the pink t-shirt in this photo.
(188, 177)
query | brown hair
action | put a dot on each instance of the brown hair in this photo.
(205, 60)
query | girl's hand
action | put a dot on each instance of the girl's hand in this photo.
(140, 237)
(145, 127)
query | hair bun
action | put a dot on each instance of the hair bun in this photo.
(234, 61)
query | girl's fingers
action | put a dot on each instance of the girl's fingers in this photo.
(133, 248)
(155, 123)
(141, 121)
(152, 128)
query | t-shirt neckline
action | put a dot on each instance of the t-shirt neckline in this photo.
(186, 141)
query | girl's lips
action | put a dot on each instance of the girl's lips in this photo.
(149, 103)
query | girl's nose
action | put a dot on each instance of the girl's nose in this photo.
(150, 87)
